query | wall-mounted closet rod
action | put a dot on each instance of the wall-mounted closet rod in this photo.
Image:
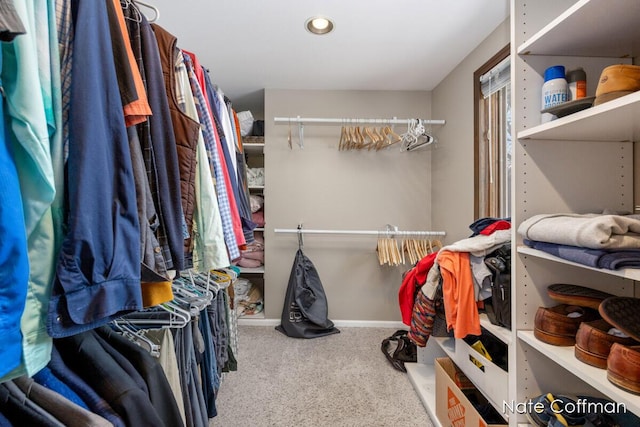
(388, 233)
(350, 121)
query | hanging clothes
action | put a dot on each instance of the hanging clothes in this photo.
(62, 409)
(185, 131)
(98, 273)
(13, 257)
(169, 363)
(160, 393)
(226, 204)
(94, 401)
(222, 167)
(27, 79)
(244, 213)
(159, 149)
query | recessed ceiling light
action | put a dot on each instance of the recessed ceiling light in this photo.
(319, 25)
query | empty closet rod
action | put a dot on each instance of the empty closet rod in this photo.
(389, 233)
(346, 121)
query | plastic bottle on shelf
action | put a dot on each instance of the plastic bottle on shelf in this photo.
(577, 83)
(554, 90)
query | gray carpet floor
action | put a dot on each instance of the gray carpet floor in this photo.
(338, 380)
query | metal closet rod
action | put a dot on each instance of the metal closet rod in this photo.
(361, 232)
(347, 121)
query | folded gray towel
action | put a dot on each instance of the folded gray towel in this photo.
(594, 231)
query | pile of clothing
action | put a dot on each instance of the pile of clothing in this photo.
(460, 274)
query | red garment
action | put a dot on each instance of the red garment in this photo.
(495, 226)
(235, 213)
(414, 279)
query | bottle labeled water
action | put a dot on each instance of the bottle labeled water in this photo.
(554, 90)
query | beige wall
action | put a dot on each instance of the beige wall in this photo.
(324, 188)
(452, 168)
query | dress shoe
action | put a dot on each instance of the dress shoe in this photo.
(577, 295)
(623, 367)
(623, 313)
(558, 325)
(594, 340)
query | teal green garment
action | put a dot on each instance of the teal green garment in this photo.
(31, 95)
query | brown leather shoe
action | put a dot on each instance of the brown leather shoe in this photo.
(593, 342)
(577, 295)
(623, 313)
(623, 367)
(558, 325)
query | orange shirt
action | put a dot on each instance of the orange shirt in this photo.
(137, 111)
(459, 298)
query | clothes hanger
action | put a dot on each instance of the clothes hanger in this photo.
(137, 336)
(372, 138)
(155, 10)
(380, 139)
(165, 315)
(359, 138)
(391, 138)
(343, 138)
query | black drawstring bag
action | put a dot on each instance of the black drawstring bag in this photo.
(305, 310)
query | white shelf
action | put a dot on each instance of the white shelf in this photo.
(256, 270)
(614, 121)
(256, 187)
(423, 378)
(503, 334)
(253, 147)
(627, 273)
(597, 378)
(585, 29)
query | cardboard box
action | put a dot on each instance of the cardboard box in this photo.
(453, 407)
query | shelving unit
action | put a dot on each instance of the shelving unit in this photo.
(576, 164)
(492, 382)
(581, 163)
(254, 153)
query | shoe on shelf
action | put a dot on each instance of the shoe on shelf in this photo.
(555, 410)
(594, 340)
(623, 313)
(577, 295)
(603, 412)
(559, 325)
(623, 367)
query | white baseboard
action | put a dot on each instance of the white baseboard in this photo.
(391, 324)
(256, 321)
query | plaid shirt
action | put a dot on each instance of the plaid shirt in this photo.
(224, 204)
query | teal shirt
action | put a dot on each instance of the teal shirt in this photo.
(33, 108)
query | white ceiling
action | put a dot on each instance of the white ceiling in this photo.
(249, 45)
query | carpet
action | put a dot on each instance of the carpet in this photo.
(338, 380)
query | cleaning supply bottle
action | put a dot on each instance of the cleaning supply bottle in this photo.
(577, 81)
(554, 90)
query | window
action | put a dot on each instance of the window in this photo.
(492, 155)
